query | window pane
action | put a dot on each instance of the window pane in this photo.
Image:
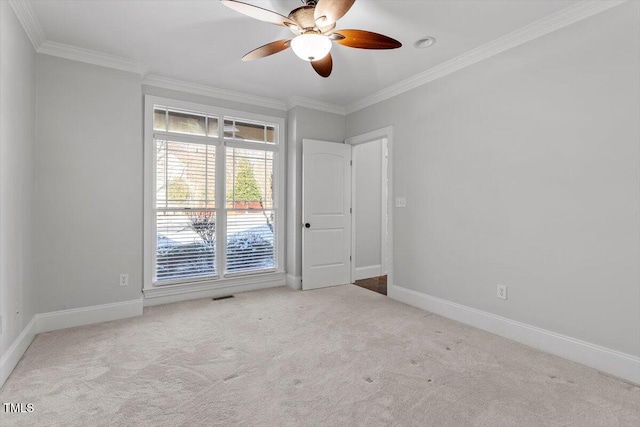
(185, 175)
(271, 135)
(182, 122)
(185, 245)
(229, 128)
(250, 241)
(159, 119)
(250, 132)
(249, 179)
(212, 127)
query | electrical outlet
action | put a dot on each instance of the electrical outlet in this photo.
(124, 280)
(502, 292)
(401, 202)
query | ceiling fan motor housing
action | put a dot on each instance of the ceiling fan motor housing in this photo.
(304, 17)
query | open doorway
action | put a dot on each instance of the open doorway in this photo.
(370, 216)
(348, 239)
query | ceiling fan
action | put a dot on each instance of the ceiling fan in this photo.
(314, 27)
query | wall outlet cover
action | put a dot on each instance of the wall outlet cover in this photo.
(502, 292)
(401, 202)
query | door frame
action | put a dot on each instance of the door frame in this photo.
(385, 133)
(382, 262)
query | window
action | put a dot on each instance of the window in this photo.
(212, 203)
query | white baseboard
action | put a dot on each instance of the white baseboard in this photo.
(294, 282)
(55, 320)
(170, 294)
(88, 315)
(367, 272)
(622, 365)
(13, 355)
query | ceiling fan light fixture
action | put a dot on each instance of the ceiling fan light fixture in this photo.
(311, 46)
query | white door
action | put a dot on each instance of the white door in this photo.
(326, 218)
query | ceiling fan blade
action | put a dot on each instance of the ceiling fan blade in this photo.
(323, 66)
(267, 49)
(259, 13)
(329, 11)
(361, 39)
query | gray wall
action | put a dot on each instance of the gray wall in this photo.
(89, 175)
(17, 176)
(523, 170)
(304, 123)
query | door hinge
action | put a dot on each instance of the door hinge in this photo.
(351, 162)
(349, 257)
(350, 210)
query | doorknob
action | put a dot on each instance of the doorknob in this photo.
(307, 225)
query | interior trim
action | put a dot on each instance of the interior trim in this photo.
(27, 17)
(387, 256)
(175, 293)
(198, 89)
(294, 282)
(613, 362)
(71, 318)
(298, 101)
(55, 320)
(561, 19)
(14, 353)
(93, 57)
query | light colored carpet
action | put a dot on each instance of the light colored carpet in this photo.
(333, 357)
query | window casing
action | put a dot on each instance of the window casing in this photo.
(213, 187)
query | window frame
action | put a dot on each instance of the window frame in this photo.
(222, 278)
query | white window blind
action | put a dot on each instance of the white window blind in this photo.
(250, 210)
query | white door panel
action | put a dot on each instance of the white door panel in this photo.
(326, 195)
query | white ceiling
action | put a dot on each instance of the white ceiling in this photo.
(202, 41)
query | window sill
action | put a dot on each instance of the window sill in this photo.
(202, 289)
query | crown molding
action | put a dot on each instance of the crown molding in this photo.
(298, 101)
(214, 92)
(527, 33)
(565, 17)
(89, 56)
(27, 18)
